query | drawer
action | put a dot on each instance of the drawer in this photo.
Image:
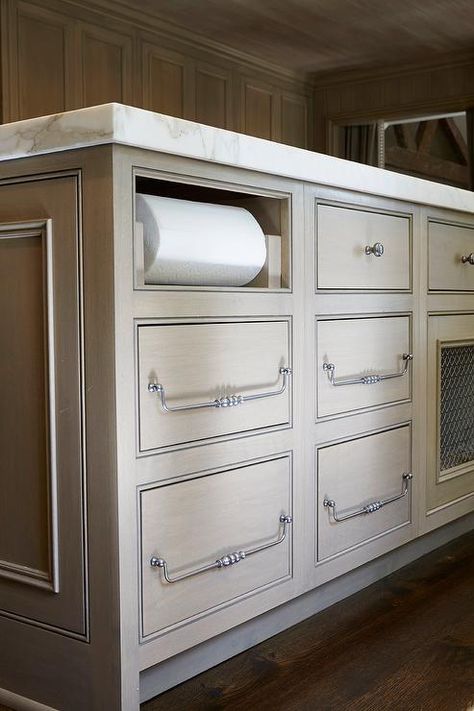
(362, 490)
(207, 524)
(345, 236)
(451, 257)
(362, 363)
(222, 378)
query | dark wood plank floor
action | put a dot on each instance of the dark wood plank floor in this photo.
(405, 643)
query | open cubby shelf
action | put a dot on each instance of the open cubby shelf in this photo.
(272, 213)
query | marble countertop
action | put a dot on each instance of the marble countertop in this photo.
(116, 123)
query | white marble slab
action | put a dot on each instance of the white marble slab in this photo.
(115, 123)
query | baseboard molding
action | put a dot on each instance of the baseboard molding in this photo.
(21, 703)
(184, 666)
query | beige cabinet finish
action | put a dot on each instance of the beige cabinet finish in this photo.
(202, 362)
(42, 566)
(450, 452)
(242, 510)
(451, 257)
(344, 233)
(88, 344)
(354, 475)
(361, 348)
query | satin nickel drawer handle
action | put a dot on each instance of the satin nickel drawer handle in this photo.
(377, 249)
(469, 259)
(226, 560)
(330, 369)
(220, 402)
(373, 506)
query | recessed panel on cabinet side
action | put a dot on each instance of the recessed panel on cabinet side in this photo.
(25, 437)
(42, 565)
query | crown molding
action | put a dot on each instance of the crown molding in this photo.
(325, 80)
(152, 23)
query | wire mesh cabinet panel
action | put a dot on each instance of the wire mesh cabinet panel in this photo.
(451, 408)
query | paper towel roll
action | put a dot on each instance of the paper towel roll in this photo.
(195, 243)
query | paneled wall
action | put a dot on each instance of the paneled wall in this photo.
(357, 97)
(58, 55)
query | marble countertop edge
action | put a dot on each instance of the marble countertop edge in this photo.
(125, 125)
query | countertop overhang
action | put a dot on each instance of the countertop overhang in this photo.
(125, 125)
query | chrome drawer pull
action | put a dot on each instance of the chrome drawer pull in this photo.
(220, 402)
(469, 259)
(377, 249)
(373, 506)
(330, 369)
(226, 560)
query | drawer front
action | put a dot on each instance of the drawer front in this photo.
(342, 237)
(451, 257)
(201, 362)
(360, 473)
(362, 350)
(194, 523)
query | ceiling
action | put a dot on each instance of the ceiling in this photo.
(328, 35)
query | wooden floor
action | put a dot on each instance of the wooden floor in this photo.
(405, 643)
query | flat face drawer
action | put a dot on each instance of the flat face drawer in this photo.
(451, 257)
(362, 363)
(358, 249)
(225, 364)
(362, 491)
(195, 523)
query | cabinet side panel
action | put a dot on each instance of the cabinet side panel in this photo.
(23, 407)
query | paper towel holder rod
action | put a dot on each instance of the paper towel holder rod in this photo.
(221, 402)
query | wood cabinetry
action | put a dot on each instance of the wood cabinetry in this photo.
(42, 550)
(57, 56)
(105, 66)
(39, 54)
(372, 252)
(234, 524)
(188, 458)
(379, 465)
(451, 256)
(359, 96)
(195, 362)
(167, 81)
(267, 112)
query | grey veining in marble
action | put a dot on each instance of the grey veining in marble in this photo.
(115, 123)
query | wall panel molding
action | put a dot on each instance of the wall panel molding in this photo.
(389, 93)
(99, 52)
(106, 66)
(125, 13)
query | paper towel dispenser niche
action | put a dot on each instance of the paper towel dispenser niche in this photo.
(198, 243)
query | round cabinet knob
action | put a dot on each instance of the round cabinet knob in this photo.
(377, 249)
(469, 259)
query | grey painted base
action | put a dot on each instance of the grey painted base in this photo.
(173, 671)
